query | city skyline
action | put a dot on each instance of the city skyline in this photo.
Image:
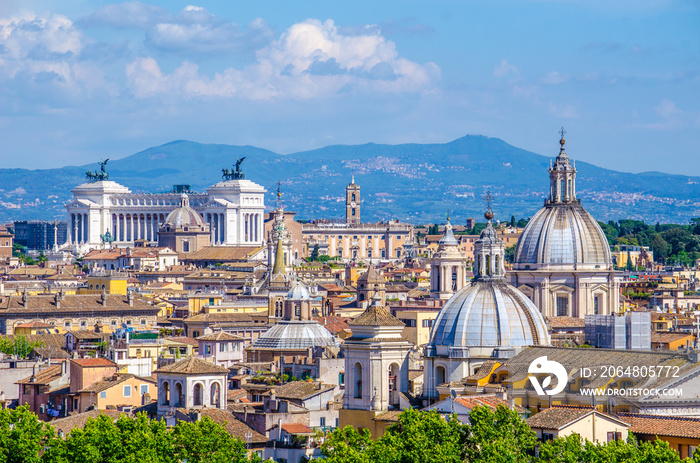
(90, 80)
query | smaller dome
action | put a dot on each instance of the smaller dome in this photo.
(299, 292)
(448, 237)
(489, 234)
(184, 216)
(489, 314)
(295, 335)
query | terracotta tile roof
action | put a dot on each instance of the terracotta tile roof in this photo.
(222, 253)
(184, 340)
(43, 377)
(112, 381)
(566, 322)
(234, 426)
(300, 390)
(51, 352)
(375, 316)
(669, 336)
(414, 374)
(491, 401)
(89, 334)
(45, 339)
(296, 428)
(220, 317)
(392, 416)
(94, 363)
(233, 395)
(333, 323)
(559, 416)
(34, 324)
(220, 336)
(673, 426)
(194, 366)
(44, 303)
(67, 424)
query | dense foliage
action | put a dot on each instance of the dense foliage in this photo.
(26, 439)
(671, 243)
(18, 345)
(499, 436)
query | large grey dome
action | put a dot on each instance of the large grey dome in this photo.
(295, 335)
(562, 234)
(184, 216)
(488, 314)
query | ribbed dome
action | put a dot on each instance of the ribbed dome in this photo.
(562, 234)
(295, 335)
(184, 216)
(299, 292)
(489, 314)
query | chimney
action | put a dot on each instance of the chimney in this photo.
(130, 298)
(64, 367)
(104, 298)
(146, 399)
(35, 371)
(25, 299)
(57, 299)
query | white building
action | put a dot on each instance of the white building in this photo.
(232, 208)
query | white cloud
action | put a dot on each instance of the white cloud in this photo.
(555, 78)
(39, 50)
(504, 69)
(131, 14)
(310, 59)
(32, 36)
(192, 30)
(667, 109)
(563, 111)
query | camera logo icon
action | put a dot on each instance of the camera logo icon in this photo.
(542, 365)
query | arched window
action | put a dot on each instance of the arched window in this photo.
(439, 375)
(488, 265)
(180, 398)
(198, 395)
(496, 266)
(215, 395)
(357, 374)
(165, 397)
(394, 377)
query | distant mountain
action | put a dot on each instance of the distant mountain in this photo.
(411, 182)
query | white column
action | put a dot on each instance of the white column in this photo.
(131, 227)
(223, 228)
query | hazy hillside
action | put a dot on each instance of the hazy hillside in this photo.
(412, 182)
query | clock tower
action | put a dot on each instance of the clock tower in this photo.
(352, 203)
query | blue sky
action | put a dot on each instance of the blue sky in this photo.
(84, 80)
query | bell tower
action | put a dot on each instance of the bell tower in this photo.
(448, 268)
(352, 203)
